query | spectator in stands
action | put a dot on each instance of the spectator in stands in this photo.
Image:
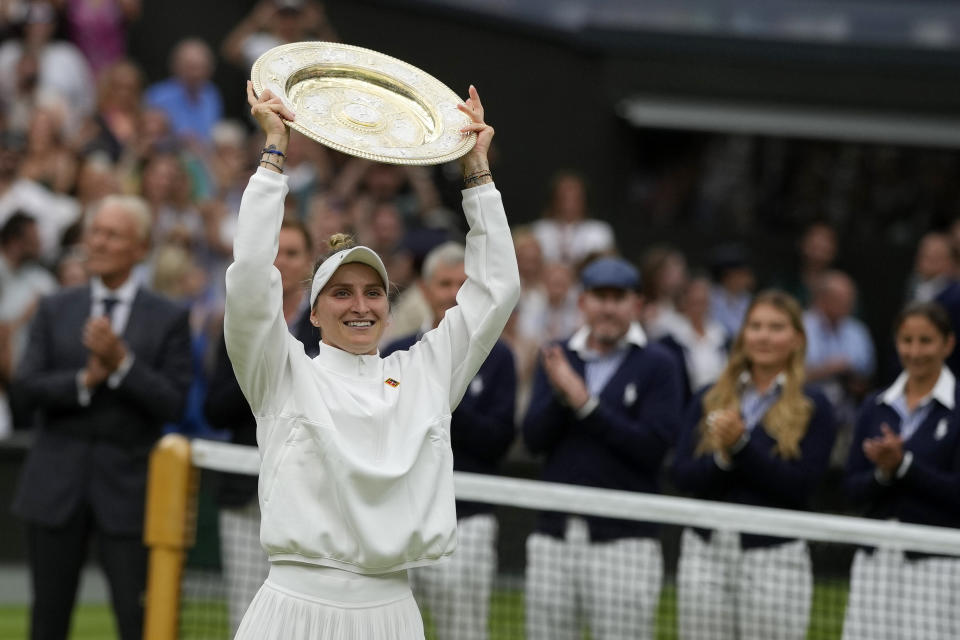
(113, 129)
(61, 69)
(244, 561)
(935, 279)
(840, 354)
(48, 161)
(192, 103)
(664, 272)
(817, 253)
(99, 28)
(54, 213)
(22, 283)
(272, 23)
(733, 286)
(904, 465)
(457, 593)
(565, 231)
(604, 413)
(106, 366)
(758, 436)
(699, 342)
(551, 312)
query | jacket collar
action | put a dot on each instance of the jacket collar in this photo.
(346, 363)
(578, 341)
(944, 391)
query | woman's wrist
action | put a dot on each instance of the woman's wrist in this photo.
(476, 174)
(273, 155)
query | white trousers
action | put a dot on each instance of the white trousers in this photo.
(614, 586)
(893, 598)
(456, 592)
(725, 593)
(245, 564)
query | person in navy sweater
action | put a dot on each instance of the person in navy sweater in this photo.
(457, 593)
(904, 464)
(603, 412)
(758, 436)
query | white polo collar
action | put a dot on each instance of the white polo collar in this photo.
(944, 391)
(578, 341)
(746, 380)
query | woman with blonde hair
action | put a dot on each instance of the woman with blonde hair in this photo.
(758, 436)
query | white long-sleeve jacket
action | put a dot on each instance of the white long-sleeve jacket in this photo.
(356, 467)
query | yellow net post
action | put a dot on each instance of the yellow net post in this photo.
(168, 532)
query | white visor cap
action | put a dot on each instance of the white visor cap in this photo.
(363, 255)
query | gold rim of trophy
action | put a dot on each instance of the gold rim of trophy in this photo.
(365, 103)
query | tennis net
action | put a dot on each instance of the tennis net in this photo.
(688, 569)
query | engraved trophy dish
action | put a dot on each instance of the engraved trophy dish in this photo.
(365, 103)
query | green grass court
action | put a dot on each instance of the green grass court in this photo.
(95, 622)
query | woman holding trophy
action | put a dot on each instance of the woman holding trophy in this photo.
(356, 482)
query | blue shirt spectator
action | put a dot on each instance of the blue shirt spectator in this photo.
(192, 103)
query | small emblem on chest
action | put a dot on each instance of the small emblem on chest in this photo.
(630, 395)
(941, 430)
(392, 382)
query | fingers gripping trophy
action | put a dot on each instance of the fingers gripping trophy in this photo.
(356, 483)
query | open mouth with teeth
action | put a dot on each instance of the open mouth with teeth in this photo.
(359, 324)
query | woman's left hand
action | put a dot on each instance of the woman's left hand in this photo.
(726, 427)
(885, 451)
(476, 159)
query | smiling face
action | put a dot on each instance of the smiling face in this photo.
(352, 309)
(608, 312)
(770, 338)
(922, 347)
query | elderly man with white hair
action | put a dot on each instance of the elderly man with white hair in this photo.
(107, 365)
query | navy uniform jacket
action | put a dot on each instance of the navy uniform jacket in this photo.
(929, 491)
(619, 445)
(98, 453)
(759, 476)
(481, 427)
(949, 298)
(227, 408)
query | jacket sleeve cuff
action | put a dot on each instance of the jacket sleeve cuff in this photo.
(117, 376)
(83, 394)
(722, 463)
(740, 444)
(904, 464)
(588, 407)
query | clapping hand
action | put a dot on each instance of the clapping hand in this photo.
(724, 428)
(107, 350)
(885, 451)
(565, 381)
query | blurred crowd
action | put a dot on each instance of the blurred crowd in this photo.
(79, 122)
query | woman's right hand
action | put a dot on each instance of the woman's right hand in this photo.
(269, 112)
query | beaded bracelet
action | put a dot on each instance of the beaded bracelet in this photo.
(476, 177)
(274, 164)
(275, 152)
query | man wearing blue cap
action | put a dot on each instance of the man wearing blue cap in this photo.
(603, 412)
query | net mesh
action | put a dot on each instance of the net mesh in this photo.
(713, 572)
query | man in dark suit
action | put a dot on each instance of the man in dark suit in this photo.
(604, 411)
(457, 592)
(107, 365)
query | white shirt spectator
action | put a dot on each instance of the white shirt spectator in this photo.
(53, 213)
(572, 242)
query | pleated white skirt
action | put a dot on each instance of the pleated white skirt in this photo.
(300, 602)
